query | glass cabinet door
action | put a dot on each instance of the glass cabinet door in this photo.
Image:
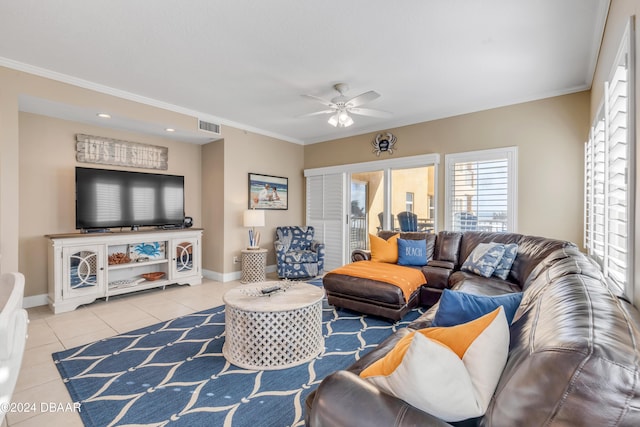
(82, 270)
(183, 261)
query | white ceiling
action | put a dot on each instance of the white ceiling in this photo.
(246, 63)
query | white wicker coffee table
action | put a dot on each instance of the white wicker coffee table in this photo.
(277, 331)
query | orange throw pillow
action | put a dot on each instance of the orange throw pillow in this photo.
(384, 250)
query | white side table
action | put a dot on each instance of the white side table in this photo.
(254, 264)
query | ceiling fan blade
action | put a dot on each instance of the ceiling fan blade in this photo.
(370, 112)
(317, 113)
(363, 98)
(320, 100)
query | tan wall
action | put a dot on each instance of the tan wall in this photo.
(619, 13)
(47, 184)
(549, 134)
(246, 152)
(9, 195)
(213, 206)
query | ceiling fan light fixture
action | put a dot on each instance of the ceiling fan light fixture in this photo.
(345, 120)
(341, 119)
(340, 106)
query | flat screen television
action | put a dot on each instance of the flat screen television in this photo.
(112, 198)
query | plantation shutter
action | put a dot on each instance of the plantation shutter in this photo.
(595, 189)
(326, 213)
(608, 171)
(617, 182)
(481, 191)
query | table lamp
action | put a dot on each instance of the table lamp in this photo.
(253, 219)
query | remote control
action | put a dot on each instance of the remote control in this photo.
(270, 289)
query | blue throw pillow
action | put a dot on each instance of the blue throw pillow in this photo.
(504, 266)
(458, 307)
(484, 259)
(412, 252)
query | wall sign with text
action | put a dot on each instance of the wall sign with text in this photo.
(107, 151)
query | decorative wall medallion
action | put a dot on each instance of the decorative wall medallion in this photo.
(107, 151)
(384, 143)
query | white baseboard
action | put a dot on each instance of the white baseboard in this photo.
(221, 277)
(228, 277)
(43, 299)
(35, 301)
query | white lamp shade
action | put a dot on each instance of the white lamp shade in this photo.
(341, 119)
(254, 218)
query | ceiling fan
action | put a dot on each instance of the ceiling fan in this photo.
(341, 106)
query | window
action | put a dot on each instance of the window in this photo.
(409, 202)
(480, 190)
(608, 187)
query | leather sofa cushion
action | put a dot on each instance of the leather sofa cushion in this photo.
(532, 251)
(344, 398)
(442, 264)
(465, 281)
(448, 246)
(366, 289)
(437, 278)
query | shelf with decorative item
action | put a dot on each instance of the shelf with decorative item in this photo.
(138, 264)
(127, 286)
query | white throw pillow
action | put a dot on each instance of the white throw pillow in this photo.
(451, 372)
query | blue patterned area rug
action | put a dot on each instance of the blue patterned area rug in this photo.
(174, 373)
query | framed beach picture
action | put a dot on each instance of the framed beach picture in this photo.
(268, 192)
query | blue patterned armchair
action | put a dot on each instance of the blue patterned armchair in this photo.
(297, 254)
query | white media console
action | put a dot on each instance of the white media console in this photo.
(85, 267)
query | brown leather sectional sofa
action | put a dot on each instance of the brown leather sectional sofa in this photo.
(446, 251)
(573, 356)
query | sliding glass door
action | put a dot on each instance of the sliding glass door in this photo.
(367, 206)
(413, 199)
(346, 203)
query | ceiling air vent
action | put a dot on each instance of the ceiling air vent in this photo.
(208, 127)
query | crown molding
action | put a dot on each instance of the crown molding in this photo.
(118, 93)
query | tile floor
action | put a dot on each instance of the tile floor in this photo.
(39, 382)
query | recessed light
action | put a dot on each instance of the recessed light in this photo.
(104, 115)
(170, 129)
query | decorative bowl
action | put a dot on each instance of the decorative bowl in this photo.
(154, 276)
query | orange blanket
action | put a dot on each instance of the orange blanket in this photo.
(406, 278)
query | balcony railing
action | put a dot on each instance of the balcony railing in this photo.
(358, 234)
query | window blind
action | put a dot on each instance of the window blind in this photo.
(595, 190)
(480, 191)
(326, 213)
(608, 187)
(617, 203)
